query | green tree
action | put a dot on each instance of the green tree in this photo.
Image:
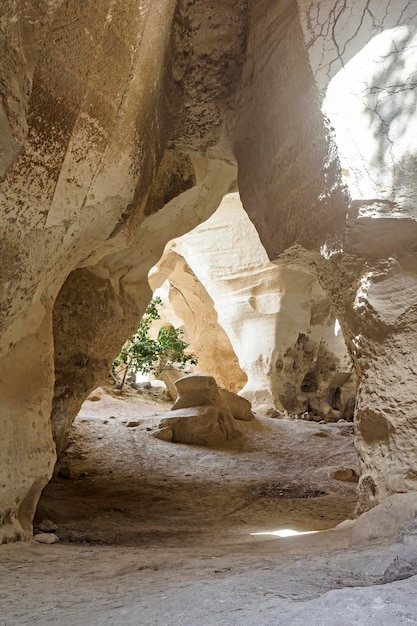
(143, 354)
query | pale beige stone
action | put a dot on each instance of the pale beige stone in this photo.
(200, 426)
(48, 538)
(386, 520)
(276, 316)
(80, 198)
(200, 415)
(239, 407)
(187, 304)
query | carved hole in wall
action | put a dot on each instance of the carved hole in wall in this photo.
(336, 399)
(309, 383)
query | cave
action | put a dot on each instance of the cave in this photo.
(256, 159)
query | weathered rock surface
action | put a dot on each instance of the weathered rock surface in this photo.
(85, 119)
(278, 318)
(240, 408)
(47, 538)
(200, 415)
(188, 305)
(47, 526)
(363, 63)
(386, 520)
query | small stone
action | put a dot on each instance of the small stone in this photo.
(399, 569)
(222, 570)
(105, 421)
(346, 474)
(47, 526)
(46, 538)
(132, 424)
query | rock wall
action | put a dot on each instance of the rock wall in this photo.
(276, 316)
(187, 304)
(363, 57)
(91, 95)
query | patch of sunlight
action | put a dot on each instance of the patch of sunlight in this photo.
(371, 106)
(361, 294)
(327, 252)
(285, 532)
(337, 327)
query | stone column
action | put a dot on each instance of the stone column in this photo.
(363, 58)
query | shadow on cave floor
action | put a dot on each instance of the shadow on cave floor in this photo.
(117, 484)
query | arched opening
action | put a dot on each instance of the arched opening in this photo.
(241, 315)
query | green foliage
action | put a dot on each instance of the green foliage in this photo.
(142, 354)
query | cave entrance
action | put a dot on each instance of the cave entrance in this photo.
(258, 327)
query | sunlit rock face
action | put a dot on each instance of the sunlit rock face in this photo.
(363, 57)
(277, 317)
(289, 174)
(187, 304)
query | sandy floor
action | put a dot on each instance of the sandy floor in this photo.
(159, 533)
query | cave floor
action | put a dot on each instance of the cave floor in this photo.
(159, 533)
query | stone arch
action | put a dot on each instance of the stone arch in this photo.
(276, 315)
(80, 150)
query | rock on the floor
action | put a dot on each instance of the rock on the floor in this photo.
(386, 520)
(346, 474)
(46, 538)
(240, 408)
(200, 416)
(47, 526)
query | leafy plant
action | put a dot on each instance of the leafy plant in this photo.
(143, 354)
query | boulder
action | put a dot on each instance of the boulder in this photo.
(48, 538)
(386, 520)
(239, 407)
(200, 416)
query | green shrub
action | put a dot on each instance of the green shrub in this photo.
(143, 354)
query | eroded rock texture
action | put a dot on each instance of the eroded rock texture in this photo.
(276, 315)
(94, 94)
(88, 115)
(188, 305)
(363, 58)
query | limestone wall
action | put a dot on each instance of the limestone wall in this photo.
(63, 193)
(363, 58)
(277, 317)
(90, 94)
(187, 304)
